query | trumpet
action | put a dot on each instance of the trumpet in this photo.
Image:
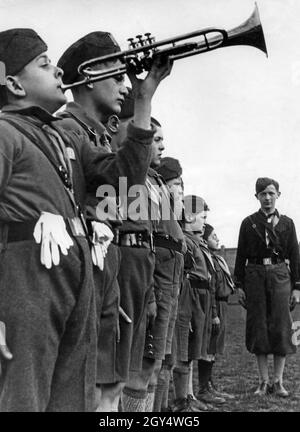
(143, 50)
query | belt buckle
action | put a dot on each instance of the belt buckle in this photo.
(267, 261)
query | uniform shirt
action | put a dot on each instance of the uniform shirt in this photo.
(253, 246)
(198, 268)
(222, 280)
(160, 201)
(75, 118)
(30, 184)
(128, 217)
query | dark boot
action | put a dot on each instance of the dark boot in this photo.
(204, 374)
(213, 389)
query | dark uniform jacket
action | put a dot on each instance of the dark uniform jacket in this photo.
(252, 246)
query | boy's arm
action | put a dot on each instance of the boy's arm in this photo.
(294, 266)
(294, 257)
(133, 158)
(240, 261)
(144, 90)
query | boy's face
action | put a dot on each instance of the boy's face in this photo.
(176, 189)
(267, 198)
(197, 223)
(42, 83)
(157, 147)
(213, 241)
(108, 95)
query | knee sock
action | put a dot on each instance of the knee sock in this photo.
(181, 381)
(204, 373)
(165, 395)
(162, 389)
(210, 374)
(150, 398)
(133, 400)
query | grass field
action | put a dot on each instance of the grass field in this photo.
(236, 372)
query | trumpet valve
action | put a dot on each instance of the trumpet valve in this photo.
(141, 41)
(132, 42)
(149, 39)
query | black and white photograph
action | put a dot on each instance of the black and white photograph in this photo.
(149, 208)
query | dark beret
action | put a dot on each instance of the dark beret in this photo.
(127, 110)
(95, 44)
(263, 182)
(18, 47)
(207, 231)
(194, 204)
(169, 168)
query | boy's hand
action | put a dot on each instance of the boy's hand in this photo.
(215, 325)
(242, 298)
(5, 353)
(295, 298)
(144, 89)
(151, 313)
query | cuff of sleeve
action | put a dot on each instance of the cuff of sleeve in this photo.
(137, 134)
(239, 285)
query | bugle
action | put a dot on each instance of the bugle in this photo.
(142, 50)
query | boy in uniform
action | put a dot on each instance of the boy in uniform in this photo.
(168, 241)
(194, 305)
(223, 287)
(267, 275)
(87, 114)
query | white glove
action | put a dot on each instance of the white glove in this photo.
(102, 237)
(50, 230)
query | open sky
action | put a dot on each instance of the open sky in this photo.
(229, 116)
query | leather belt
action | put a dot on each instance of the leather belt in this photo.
(265, 261)
(134, 239)
(168, 242)
(21, 231)
(199, 284)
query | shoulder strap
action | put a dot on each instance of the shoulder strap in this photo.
(61, 173)
(91, 135)
(254, 226)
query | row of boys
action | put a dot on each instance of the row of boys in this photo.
(89, 308)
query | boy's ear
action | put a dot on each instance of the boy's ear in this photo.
(278, 193)
(14, 85)
(189, 217)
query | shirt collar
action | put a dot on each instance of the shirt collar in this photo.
(94, 125)
(31, 111)
(267, 216)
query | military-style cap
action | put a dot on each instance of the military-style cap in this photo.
(127, 110)
(95, 44)
(207, 231)
(169, 168)
(18, 47)
(263, 182)
(194, 204)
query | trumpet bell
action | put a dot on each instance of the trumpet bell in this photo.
(248, 33)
